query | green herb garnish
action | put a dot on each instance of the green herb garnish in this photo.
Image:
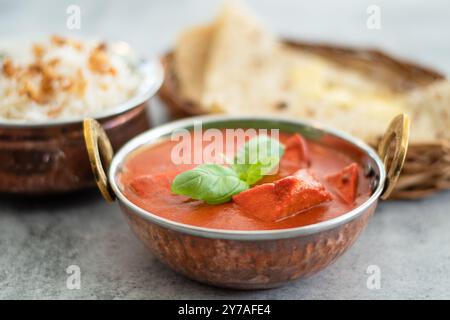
(211, 183)
(258, 158)
(216, 184)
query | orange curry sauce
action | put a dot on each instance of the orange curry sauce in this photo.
(153, 195)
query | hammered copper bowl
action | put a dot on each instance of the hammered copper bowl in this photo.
(251, 259)
(50, 157)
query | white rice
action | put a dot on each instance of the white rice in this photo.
(102, 91)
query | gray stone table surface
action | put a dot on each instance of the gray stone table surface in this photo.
(39, 238)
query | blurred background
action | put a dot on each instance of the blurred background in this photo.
(413, 29)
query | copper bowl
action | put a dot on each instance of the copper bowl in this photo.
(50, 156)
(251, 259)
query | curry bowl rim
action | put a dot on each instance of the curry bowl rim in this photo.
(153, 135)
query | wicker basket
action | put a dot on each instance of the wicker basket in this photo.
(427, 166)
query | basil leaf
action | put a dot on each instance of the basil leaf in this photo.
(259, 157)
(211, 183)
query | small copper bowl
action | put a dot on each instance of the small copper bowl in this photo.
(251, 259)
(50, 156)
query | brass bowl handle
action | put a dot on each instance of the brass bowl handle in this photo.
(392, 150)
(100, 154)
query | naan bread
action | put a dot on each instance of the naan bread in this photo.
(430, 110)
(235, 66)
(192, 50)
(242, 74)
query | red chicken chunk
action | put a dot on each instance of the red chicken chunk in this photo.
(145, 186)
(282, 198)
(295, 155)
(149, 186)
(345, 183)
